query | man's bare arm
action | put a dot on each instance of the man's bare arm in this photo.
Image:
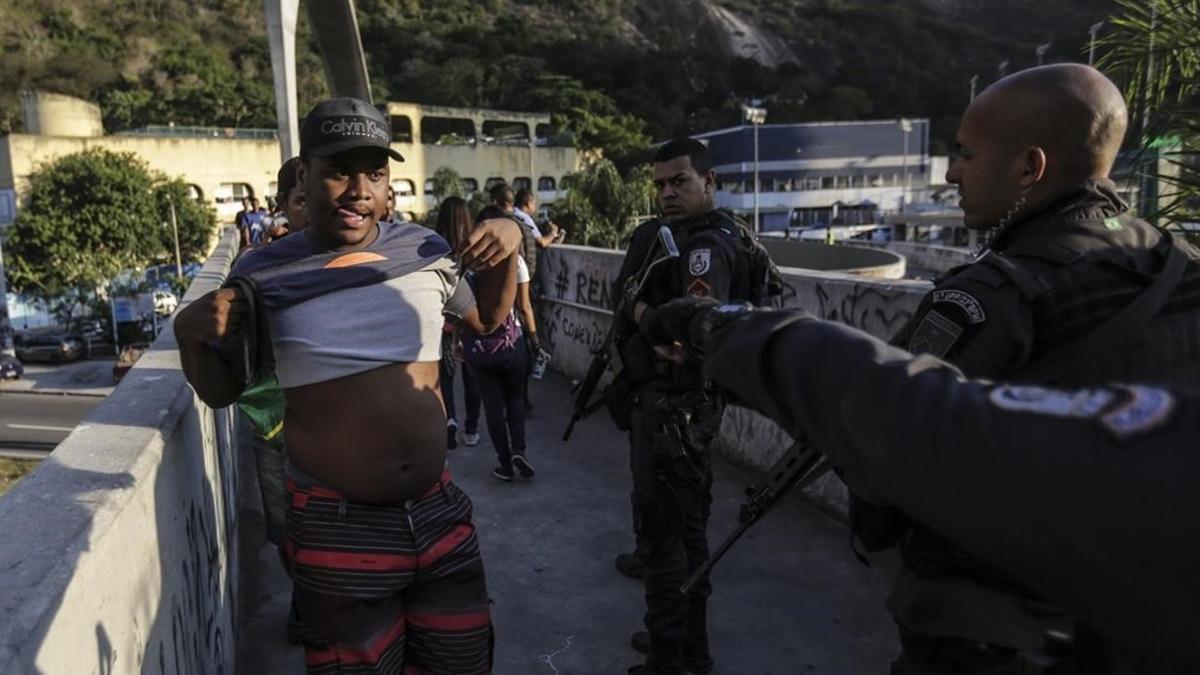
(211, 317)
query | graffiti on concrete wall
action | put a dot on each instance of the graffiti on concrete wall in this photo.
(201, 602)
(875, 308)
(575, 326)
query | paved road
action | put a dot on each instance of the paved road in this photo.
(31, 425)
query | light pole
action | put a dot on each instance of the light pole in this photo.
(905, 126)
(1092, 30)
(756, 116)
(1041, 52)
(974, 82)
(175, 230)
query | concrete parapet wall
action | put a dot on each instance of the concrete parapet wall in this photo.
(119, 552)
(819, 257)
(926, 256)
(574, 283)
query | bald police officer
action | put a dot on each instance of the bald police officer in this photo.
(673, 414)
(1070, 290)
(1087, 496)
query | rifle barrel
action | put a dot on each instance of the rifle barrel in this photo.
(704, 569)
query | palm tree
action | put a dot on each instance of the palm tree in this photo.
(1154, 54)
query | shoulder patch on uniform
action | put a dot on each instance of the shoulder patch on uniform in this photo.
(966, 301)
(1146, 409)
(1084, 403)
(699, 261)
(936, 334)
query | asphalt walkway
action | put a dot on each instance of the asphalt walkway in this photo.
(789, 598)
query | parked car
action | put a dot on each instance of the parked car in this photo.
(165, 302)
(48, 348)
(10, 368)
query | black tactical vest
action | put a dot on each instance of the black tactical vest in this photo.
(1074, 295)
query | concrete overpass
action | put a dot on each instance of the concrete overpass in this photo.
(132, 548)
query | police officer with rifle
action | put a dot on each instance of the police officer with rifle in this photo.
(1086, 496)
(671, 413)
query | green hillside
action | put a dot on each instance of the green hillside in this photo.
(615, 72)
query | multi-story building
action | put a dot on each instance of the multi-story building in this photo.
(223, 165)
(823, 173)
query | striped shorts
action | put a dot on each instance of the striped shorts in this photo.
(388, 589)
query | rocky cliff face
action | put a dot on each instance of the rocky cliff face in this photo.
(706, 23)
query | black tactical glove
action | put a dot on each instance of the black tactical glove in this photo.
(688, 321)
(669, 322)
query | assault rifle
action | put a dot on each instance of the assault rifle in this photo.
(798, 467)
(602, 355)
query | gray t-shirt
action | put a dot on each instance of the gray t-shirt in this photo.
(359, 329)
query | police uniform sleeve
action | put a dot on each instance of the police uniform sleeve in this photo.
(706, 268)
(975, 320)
(1086, 496)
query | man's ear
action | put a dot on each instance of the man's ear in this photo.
(1032, 167)
(710, 180)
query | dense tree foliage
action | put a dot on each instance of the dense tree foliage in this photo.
(601, 204)
(611, 79)
(95, 213)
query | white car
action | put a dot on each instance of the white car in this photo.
(165, 302)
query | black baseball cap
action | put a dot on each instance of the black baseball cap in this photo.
(342, 124)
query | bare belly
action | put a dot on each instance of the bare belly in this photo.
(376, 437)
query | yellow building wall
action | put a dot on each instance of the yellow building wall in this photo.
(209, 162)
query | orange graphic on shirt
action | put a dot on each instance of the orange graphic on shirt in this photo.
(352, 259)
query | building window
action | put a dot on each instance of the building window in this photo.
(521, 183)
(195, 193)
(234, 192)
(402, 129)
(429, 186)
(470, 185)
(812, 183)
(843, 182)
(826, 182)
(546, 184)
(500, 132)
(492, 182)
(874, 180)
(447, 131)
(856, 180)
(404, 187)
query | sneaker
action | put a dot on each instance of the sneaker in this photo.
(470, 440)
(503, 474)
(451, 434)
(523, 466)
(631, 565)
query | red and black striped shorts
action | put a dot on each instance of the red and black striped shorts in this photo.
(388, 589)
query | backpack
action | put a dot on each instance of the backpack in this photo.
(495, 349)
